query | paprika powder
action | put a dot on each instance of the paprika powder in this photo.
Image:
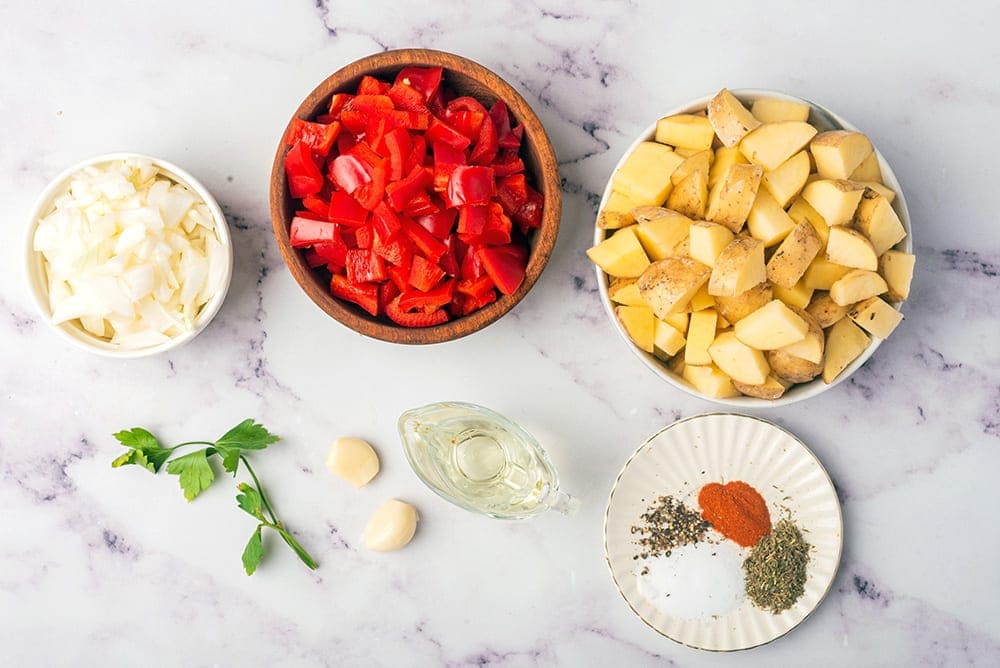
(736, 510)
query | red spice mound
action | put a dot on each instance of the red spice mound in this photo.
(736, 510)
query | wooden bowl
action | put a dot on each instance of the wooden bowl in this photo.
(466, 78)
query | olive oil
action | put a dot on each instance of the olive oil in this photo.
(481, 461)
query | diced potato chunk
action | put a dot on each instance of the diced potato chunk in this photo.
(771, 389)
(772, 326)
(678, 321)
(767, 220)
(876, 317)
(738, 360)
(668, 285)
(835, 201)
(822, 274)
(620, 254)
(707, 241)
(702, 300)
(698, 162)
(773, 110)
(798, 295)
(700, 334)
(626, 293)
(838, 153)
(725, 157)
(868, 170)
(738, 268)
(667, 340)
(802, 210)
(825, 310)
(644, 177)
(640, 324)
(685, 130)
(787, 180)
(710, 381)
(897, 269)
(773, 143)
(850, 248)
(660, 231)
(809, 348)
(884, 191)
(733, 309)
(876, 219)
(729, 118)
(793, 257)
(856, 285)
(690, 196)
(731, 197)
(617, 212)
(844, 343)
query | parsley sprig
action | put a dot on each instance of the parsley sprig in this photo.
(195, 475)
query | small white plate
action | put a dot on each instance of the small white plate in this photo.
(679, 460)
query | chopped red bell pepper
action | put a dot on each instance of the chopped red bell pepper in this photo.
(408, 98)
(318, 137)
(371, 86)
(311, 215)
(507, 163)
(441, 131)
(449, 261)
(364, 295)
(419, 319)
(401, 192)
(426, 80)
(529, 215)
(477, 288)
(419, 154)
(470, 185)
(349, 172)
(421, 205)
(486, 146)
(305, 232)
(386, 293)
(472, 266)
(438, 223)
(446, 159)
(472, 221)
(304, 177)
(400, 276)
(386, 221)
(427, 300)
(424, 274)
(332, 252)
(345, 210)
(469, 123)
(497, 230)
(505, 265)
(365, 266)
(426, 243)
(370, 194)
(398, 147)
(364, 236)
(337, 103)
(317, 205)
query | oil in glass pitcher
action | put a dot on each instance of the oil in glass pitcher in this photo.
(481, 461)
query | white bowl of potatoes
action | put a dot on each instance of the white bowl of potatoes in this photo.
(753, 248)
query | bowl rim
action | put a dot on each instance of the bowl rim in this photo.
(800, 391)
(542, 243)
(34, 271)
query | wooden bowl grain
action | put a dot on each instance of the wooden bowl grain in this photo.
(466, 78)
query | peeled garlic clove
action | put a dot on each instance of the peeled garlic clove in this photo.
(391, 526)
(352, 459)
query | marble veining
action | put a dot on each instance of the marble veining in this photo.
(114, 565)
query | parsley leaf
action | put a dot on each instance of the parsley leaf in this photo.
(253, 552)
(249, 500)
(247, 435)
(195, 472)
(148, 452)
(230, 458)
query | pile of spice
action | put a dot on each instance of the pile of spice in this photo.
(776, 568)
(668, 524)
(736, 510)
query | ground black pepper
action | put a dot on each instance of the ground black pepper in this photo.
(665, 525)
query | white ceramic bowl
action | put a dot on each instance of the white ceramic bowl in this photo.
(38, 286)
(823, 119)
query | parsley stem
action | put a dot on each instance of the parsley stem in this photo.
(260, 489)
(181, 445)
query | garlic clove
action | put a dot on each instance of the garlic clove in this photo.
(391, 526)
(352, 459)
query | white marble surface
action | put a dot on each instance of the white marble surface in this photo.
(113, 567)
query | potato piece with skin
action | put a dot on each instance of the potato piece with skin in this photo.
(702, 300)
(685, 130)
(798, 295)
(802, 210)
(876, 317)
(617, 212)
(668, 285)
(838, 153)
(856, 285)
(850, 248)
(811, 347)
(835, 201)
(896, 268)
(690, 196)
(738, 268)
(767, 221)
(771, 389)
(773, 110)
(354, 460)
(710, 381)
(729, 118)
(868, 170)
(884, 191)
(731, 198)
(661, 233)
(699, 162)
(678, 321)
(788, 179)
(738, 360)
(639, 323)
(706, 241)
(625, 292)
(621, 254)
(773, 143)
(876, 219)
(772, 326)
(844, 343)
(822, 274)
(735, 308)
(793, 257)
(791, 368)
(667, 340)
(725, 157)
(700, 334)
(644, 177)
(825, 310)
(685, 152)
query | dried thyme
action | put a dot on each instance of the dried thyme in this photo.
(776, 568)
(668, 524)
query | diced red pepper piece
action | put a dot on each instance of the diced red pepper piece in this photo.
(345, 142)
(477, 288)
(465, 103)
(386, 222)
(424, 274)
(398, 147)
(365, 266)
(507, 163)
(429, 300)
(470, 185)
(349, 172)
(497, 231)
(486, 146)
(429, 245)
(421, 205)
(446, 159)
(311, 215)
(512, 192)
(472, 266)
(317, 205)
(396, 251)
(469, 123)
(364, 295)
(337, 103)
(345, 209)
(418, 155)
(386, 293)
(305, 232)
(473, 304)
(513, 138)
(332, 252)
(401, 192)
(400, 276)
(529, 215)
(472, 220)
(426, 80)
(408, 98)
(419, 319)
(438, 130)
(505, 265)
(364, 236)
(375, 130)
(313, 259)
(318, 137)
(449, 261)
(370, 194)
(438, 223)
(506, 137)
(304, 177)
(371, 86)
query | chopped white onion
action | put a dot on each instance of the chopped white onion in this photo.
(130, 255)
